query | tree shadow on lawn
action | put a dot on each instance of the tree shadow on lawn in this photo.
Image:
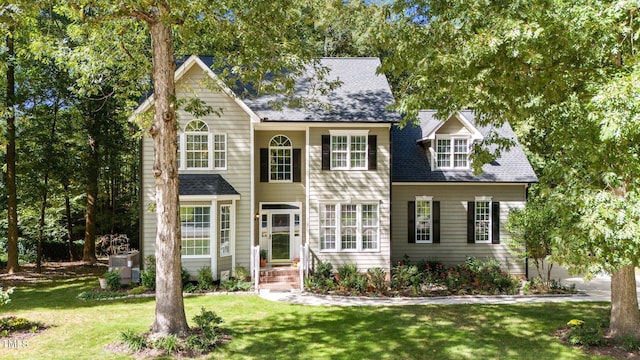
(59, 294)
(438, 331)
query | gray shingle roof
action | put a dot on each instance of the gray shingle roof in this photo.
(410, 163)
(205, 184)
(362, 97)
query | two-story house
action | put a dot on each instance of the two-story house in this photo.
(326, 177)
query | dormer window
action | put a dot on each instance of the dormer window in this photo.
(452, 152)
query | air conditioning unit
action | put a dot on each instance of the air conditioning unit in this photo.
(129, 265)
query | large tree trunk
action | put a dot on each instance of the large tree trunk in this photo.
(12, 196)
(89, 250)
(625, 317)
(170, 316)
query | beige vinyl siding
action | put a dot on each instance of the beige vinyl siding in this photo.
(453, 247)
(356, 187)
(236, 124)
(453, 127)
(286, 192)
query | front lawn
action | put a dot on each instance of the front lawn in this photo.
(262, 329)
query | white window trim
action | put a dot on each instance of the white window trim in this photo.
(349, 134)
(290, 147)
(428, 199)
(182, 154)
(359, 226)
(225, 152)
(451, 152)
(488, 199)
(212, 229)
(230, 207)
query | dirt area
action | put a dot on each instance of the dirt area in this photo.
(28, 273)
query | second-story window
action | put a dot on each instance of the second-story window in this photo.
(280, 159)
(197, 145)
(349, 150)
(200, 149)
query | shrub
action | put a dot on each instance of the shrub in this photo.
(148, 275)
(113, 279)
(241, 272)
(167, 343)
(404, 275)
(208, 323)
(378, 279)
(5, 296)
(100, 295)
(232, 285)
(205, 278)
(583, 334)
(135, 342)
(324, 270)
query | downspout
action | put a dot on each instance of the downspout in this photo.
(526, 259)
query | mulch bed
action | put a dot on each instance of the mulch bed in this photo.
(28, 273)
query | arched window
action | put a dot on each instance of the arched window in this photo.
(196, 144)
(280, 159)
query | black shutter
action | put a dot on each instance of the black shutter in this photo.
(411, 224)
(326, 152)
(471, 222)
(373, 152)
(495, 222)
(264, 165)
(297, 165)
(436, 222)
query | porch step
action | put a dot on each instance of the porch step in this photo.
(279, 279)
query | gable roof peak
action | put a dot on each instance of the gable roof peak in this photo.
(430, 124)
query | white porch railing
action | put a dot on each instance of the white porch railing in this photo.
(255, 266)
(304, 264)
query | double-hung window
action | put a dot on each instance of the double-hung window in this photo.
(452, 152)
(198, 148)
(424, 219)
(349, 227)
(195, 223)
(482, 220)
(349, 150)
(225, 230)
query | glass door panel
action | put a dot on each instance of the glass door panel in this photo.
(280, 236)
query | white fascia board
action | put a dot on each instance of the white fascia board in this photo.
(475, 134)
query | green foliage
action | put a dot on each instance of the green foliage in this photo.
(403, 276)
(207, 323)
(137, 290)
(148, 275)
(629, 343)
(236, 285)
(168, 343)
(135, 342)
(263, 254)
(113, 279)
(10, 324)
(584, 334)
(378, 279)
(5, 296)
(205, 278)
(100, 295)
(241, 273)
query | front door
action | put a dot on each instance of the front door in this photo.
(284, 233)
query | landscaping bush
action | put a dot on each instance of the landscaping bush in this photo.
(241, 273)
(148, 275)
(205, 278)
(582, 334)
(5, 296)
(378, 279)
(113, 279)
(185, 276)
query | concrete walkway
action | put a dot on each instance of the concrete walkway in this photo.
(598, 289)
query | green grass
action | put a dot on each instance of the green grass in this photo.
(268, 330)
